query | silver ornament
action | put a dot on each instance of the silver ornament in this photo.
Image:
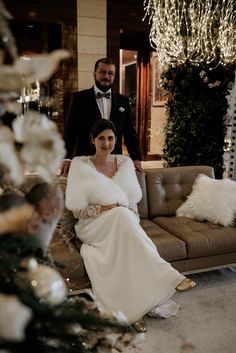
(47, 284)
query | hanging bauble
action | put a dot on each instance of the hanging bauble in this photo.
(46, 283)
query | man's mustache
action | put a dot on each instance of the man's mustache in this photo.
(105, 80)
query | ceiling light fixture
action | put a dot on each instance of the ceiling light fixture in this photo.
(197, 31)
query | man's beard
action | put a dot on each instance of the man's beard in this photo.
(102, 88)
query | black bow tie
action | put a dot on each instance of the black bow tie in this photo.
(106, 95)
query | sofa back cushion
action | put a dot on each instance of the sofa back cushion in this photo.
(143, 203)
(168, 188)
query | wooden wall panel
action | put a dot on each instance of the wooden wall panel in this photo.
(126, 15)
(42, 26)
(53, 11)
(125, 28)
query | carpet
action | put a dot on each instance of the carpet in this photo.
(205, 323)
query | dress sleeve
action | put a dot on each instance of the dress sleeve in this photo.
(88, 212)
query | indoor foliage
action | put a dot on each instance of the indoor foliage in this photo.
(196, 46)
(196, 110)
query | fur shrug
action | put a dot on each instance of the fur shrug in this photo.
(86, 186)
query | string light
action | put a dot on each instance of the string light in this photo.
(200, 31)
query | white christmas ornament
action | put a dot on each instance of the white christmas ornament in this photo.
(14, 316)
(47, 284)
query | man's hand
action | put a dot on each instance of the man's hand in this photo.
(64, 168)
(138, 166)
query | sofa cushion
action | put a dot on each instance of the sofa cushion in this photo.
(168, 188)
(169, 247)
(212, 200)
(201, 238)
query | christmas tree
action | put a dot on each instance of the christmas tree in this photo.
(36, 310)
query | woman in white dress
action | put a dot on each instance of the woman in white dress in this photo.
(126, 272)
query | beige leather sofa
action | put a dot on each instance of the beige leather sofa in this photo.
(189, 245)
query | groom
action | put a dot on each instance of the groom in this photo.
(95, 103)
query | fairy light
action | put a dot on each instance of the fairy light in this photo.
(227, 33)
(209, 27)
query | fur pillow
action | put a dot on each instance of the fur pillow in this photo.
(211, 200)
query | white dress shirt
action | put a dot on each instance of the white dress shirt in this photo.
(104, 104)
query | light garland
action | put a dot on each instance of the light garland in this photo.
(203, 31)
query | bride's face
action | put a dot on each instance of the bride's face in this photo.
(105, 142)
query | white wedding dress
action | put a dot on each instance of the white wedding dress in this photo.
(126, 272)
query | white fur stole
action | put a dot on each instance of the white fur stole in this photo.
(87, 186)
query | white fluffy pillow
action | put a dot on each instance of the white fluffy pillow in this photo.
(212, 200)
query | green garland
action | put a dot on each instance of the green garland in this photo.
(196, 115)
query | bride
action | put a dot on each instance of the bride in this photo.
(126, 272)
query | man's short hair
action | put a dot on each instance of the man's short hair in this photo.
(106, 61)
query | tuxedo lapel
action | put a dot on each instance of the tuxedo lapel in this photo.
(93, 106)
(114, 105)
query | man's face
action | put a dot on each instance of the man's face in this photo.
(104, 76)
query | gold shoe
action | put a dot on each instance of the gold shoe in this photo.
(185, 285)
(140, 325)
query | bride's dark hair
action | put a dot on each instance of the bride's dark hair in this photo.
(101, 125)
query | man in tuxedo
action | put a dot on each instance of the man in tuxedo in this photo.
(89, 105)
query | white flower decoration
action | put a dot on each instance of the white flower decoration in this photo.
(41, 67)
(120, 317)
(10, 79)
(214, 84)
(22, 72)
(121, 109)
(43, 148)
(202, 73)
(11, 168)
(14, 318)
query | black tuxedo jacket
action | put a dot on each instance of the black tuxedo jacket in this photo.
(84, 112)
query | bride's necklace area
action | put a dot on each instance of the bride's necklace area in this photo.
(108, 167)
